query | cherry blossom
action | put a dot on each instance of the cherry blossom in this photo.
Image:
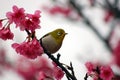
(30, 49)
(32, 21)
(42, 76)
(16, 16)
(89, 66)
(24, 20)
(98, 71)
(108, 16)
(35, 17)
(40, 68)
(92, 2)
(5, 33)
(117, 54)
(58, 9)
(58, 73)
(2, 57)
(106, 73)
(0, 23)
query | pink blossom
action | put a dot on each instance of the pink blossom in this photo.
(0, 23)
(117, 54)
(32, 21)
(5, 33)
(106, 73)
(58, 10)
(97, 71)
(41, 76)
(58, 73)
(16, 16)
(40, 68)
(90, 66)
(30, 25)
(42, 64)
(5, 64)
(49, 70)
(30, 49)
(65, 11)
(24, 20)
(108, 16)
(2, 57)
(25, 68)
(35, 17)
(92, 2)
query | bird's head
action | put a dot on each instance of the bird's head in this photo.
(58, 35)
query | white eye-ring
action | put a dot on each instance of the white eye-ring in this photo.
(59, 33)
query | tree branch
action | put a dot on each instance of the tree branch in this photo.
(87, 22)
(68, 74)
(86, 76)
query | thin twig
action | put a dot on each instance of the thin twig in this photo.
(27, 32)
(58, 56)
(86, 76)
(72, 69)
(60, 65)
(68, 77)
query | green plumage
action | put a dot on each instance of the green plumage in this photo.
(53, 40)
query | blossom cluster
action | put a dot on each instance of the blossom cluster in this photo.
(30, 48)
(24, 20)
(65, 11)
(99, 72)
(39, 69)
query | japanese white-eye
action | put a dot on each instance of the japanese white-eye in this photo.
(52, 41)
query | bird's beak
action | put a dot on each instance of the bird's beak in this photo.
(66, 33)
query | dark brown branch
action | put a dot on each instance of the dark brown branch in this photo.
(68, 77)
(58, 56)
(60, 65)
(86, 76)
(72, 69)
(28, 33)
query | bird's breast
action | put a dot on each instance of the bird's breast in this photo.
(50, 44)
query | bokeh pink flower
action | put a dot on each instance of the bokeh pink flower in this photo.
(0, 23)
(40, 68)
(116, 53)
(108, 16)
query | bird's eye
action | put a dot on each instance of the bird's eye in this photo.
(59, 33)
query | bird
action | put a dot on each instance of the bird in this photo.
(52, 41)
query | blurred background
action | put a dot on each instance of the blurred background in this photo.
(93, 34)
